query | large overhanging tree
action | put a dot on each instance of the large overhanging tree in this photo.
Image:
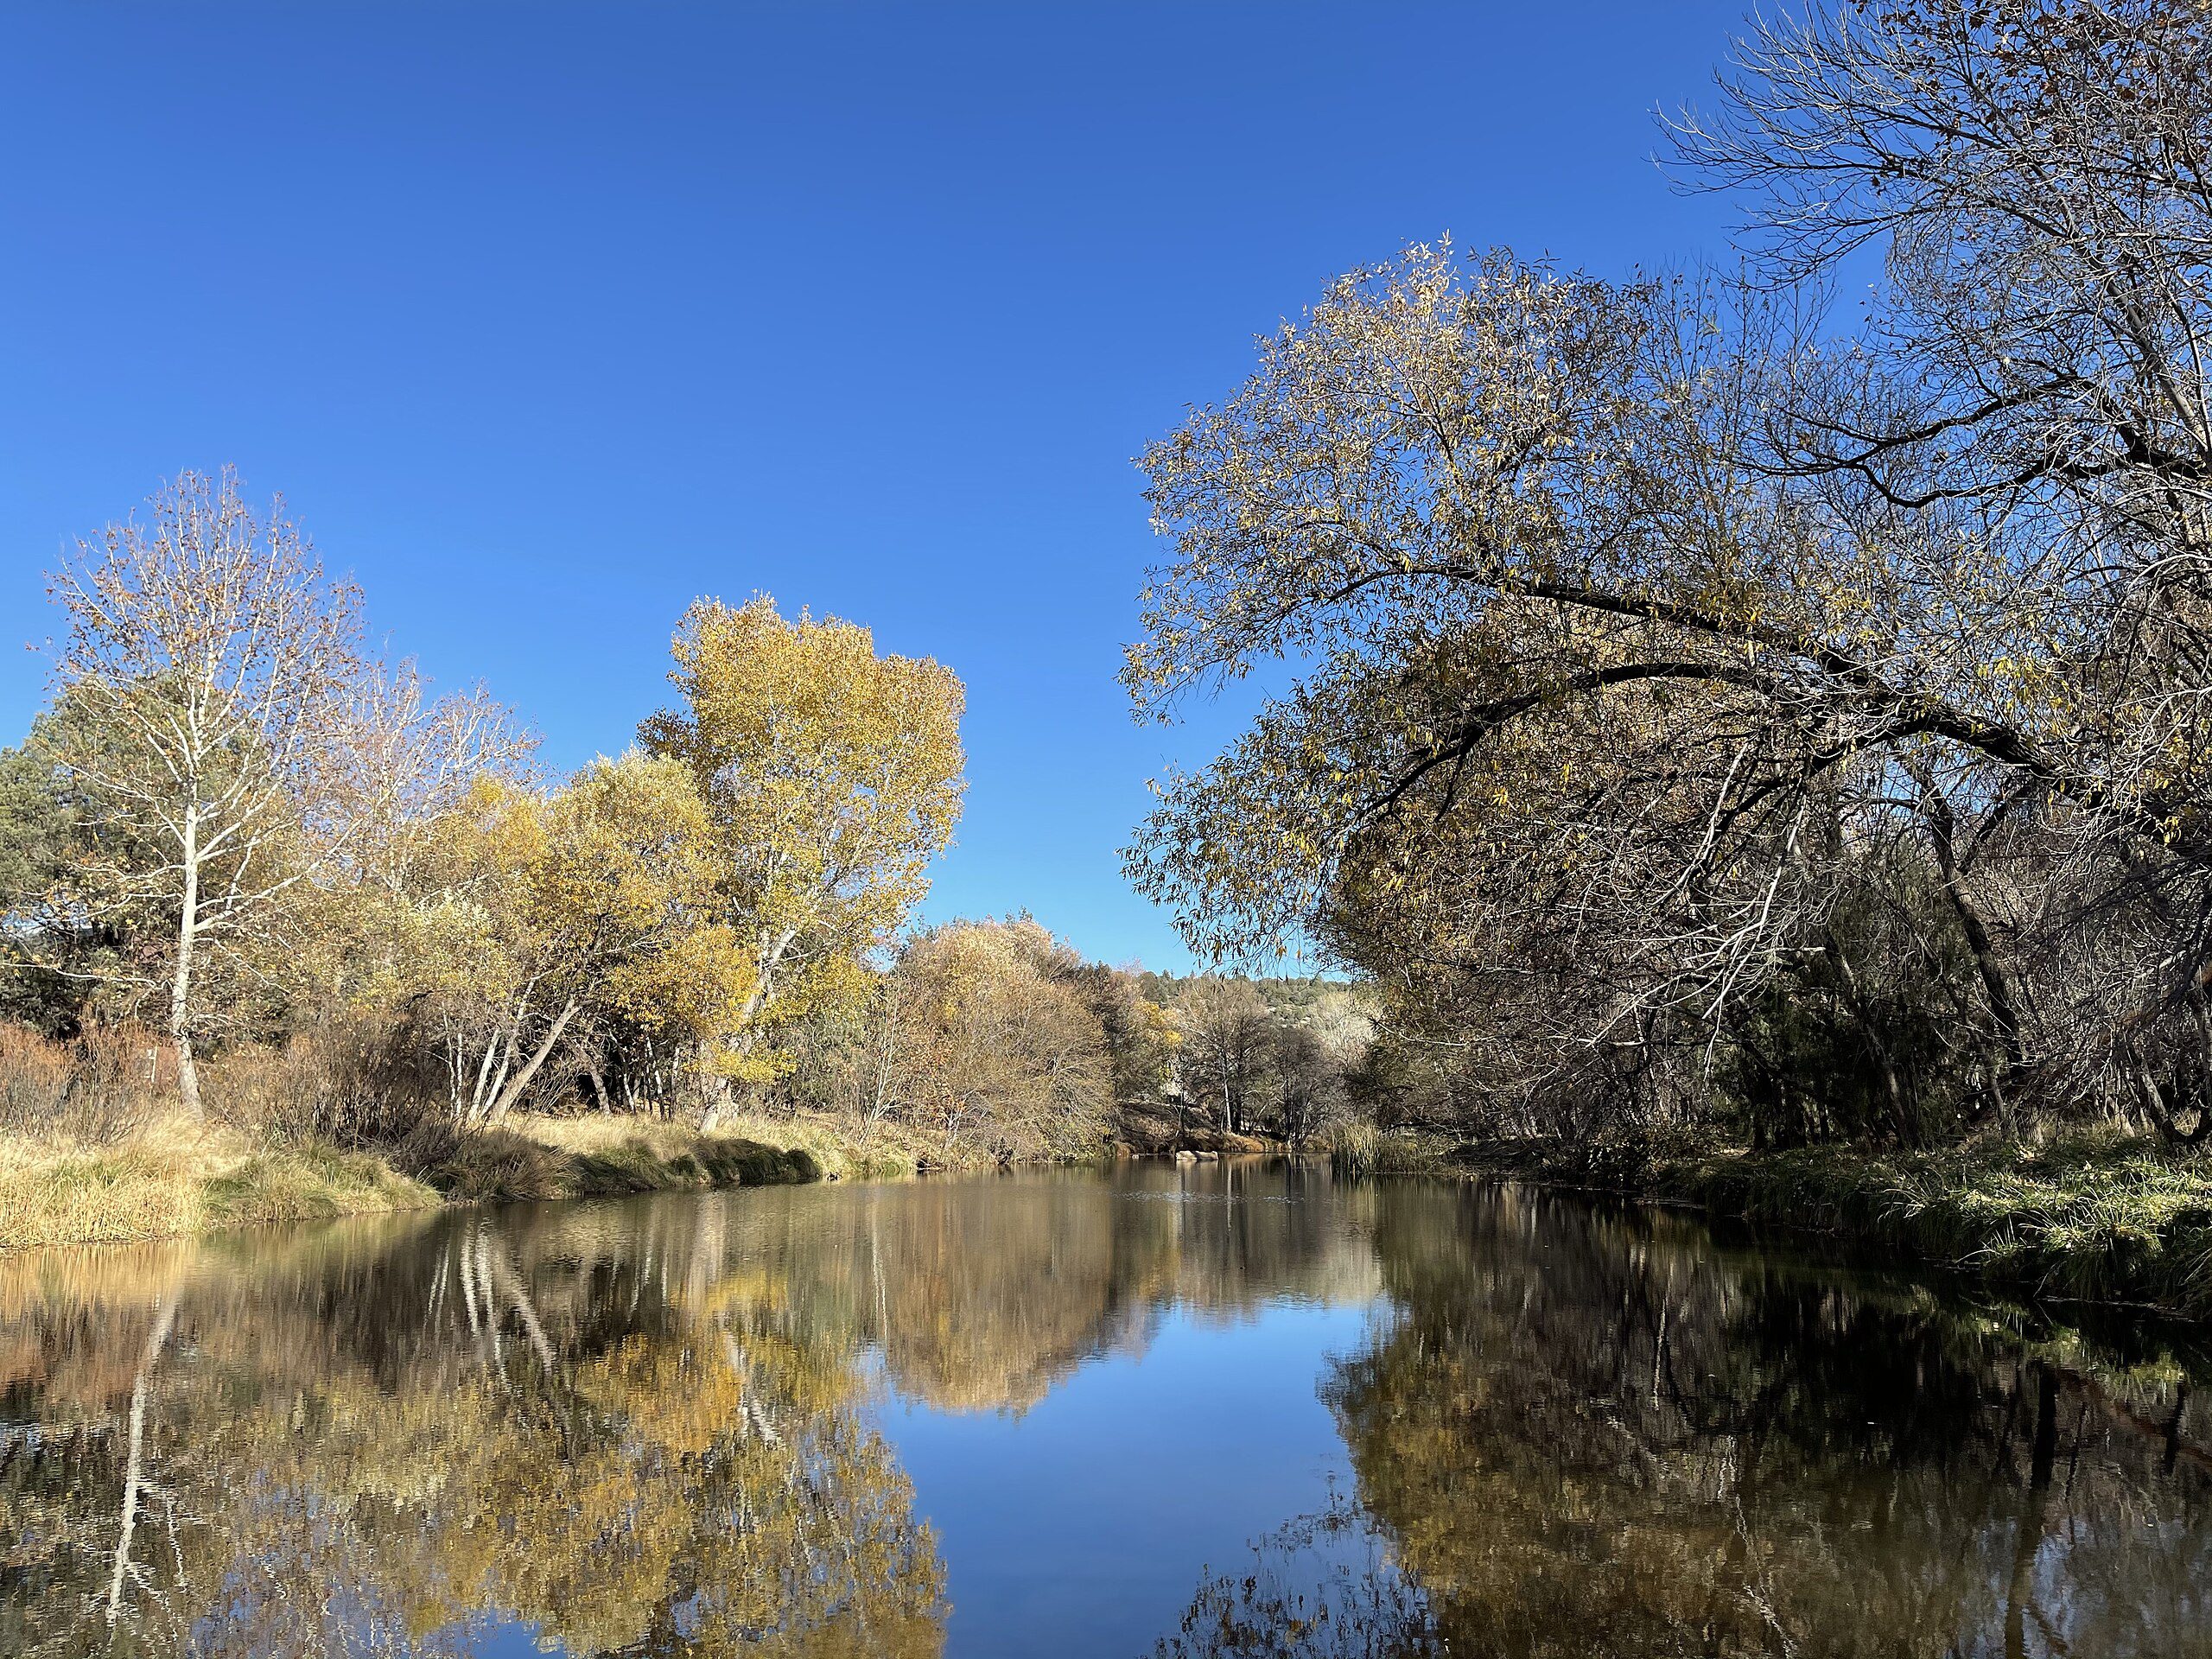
(1637, 623)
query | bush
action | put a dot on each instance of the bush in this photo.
(97, 1091)
(34, 1075)
(352, 1081)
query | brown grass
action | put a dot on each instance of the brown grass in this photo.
(533, 1157)
(92, 1151)
(849, 1149)
(173, 1177)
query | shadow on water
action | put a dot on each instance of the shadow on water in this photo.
(649, 1427)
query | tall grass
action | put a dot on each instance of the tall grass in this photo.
(93, 1149)
(535, 1157)
(174, 1177)
(2092, 1216)
(1356, 1147)
(344, 1119)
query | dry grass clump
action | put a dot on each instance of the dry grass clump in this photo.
(535, 1157)
(93, 1150)
(311, 1182)
(61, 1192)
(174, 1177)
(849, 1149)
(1357, 1147)
(338, 1121)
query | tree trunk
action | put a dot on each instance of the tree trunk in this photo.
(2027, 1538)
(134, 1465)
(770, 956)
(2003, 1010)
(720, 1096)
(188, 929)
(512, 1090)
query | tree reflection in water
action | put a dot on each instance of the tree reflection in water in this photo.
(646, 1428)
(1590, 1435)
(1318, 1587)
(485, 1422)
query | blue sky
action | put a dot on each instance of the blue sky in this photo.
(547, 320)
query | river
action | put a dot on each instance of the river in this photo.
(1230, 1409)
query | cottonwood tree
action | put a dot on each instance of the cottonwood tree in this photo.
(1226, 1024)
(204, 667)
(998, 1042)
(1583, 661)
(832, 777)
(2034, 177)
(405, 768)
(1142, 1036)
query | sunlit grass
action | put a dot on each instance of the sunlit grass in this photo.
(2099, 1216)
(531, 1157)
(173, 1177)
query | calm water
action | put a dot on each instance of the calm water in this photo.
(1240, 1410)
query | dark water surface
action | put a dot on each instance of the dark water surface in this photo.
(1228, 1410)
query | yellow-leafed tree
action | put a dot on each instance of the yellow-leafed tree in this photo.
(598, 897)
(832, 777)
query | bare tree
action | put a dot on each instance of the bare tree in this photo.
(207, 658)
(1225, 1028)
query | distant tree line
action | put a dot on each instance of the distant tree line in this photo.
(1720, 707)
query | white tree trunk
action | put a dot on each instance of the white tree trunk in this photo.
(134, 1465)
(188, 1069)
(512, 1090)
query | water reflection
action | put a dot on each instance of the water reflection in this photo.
(1591, 1435)
(655, 1427)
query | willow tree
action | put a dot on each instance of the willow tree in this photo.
(204, 671)
(832, 777)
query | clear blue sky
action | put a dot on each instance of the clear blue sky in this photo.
(547, 320)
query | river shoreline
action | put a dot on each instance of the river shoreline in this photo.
(2114, 1220)
(174, 1180)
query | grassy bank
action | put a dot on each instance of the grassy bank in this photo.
(170, 1178)
(2092, 1217)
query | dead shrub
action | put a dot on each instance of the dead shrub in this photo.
(352, 1081)
(103, 1087)
(34, 1075)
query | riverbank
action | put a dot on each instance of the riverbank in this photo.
(2101, 1218)
(174, 1178)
